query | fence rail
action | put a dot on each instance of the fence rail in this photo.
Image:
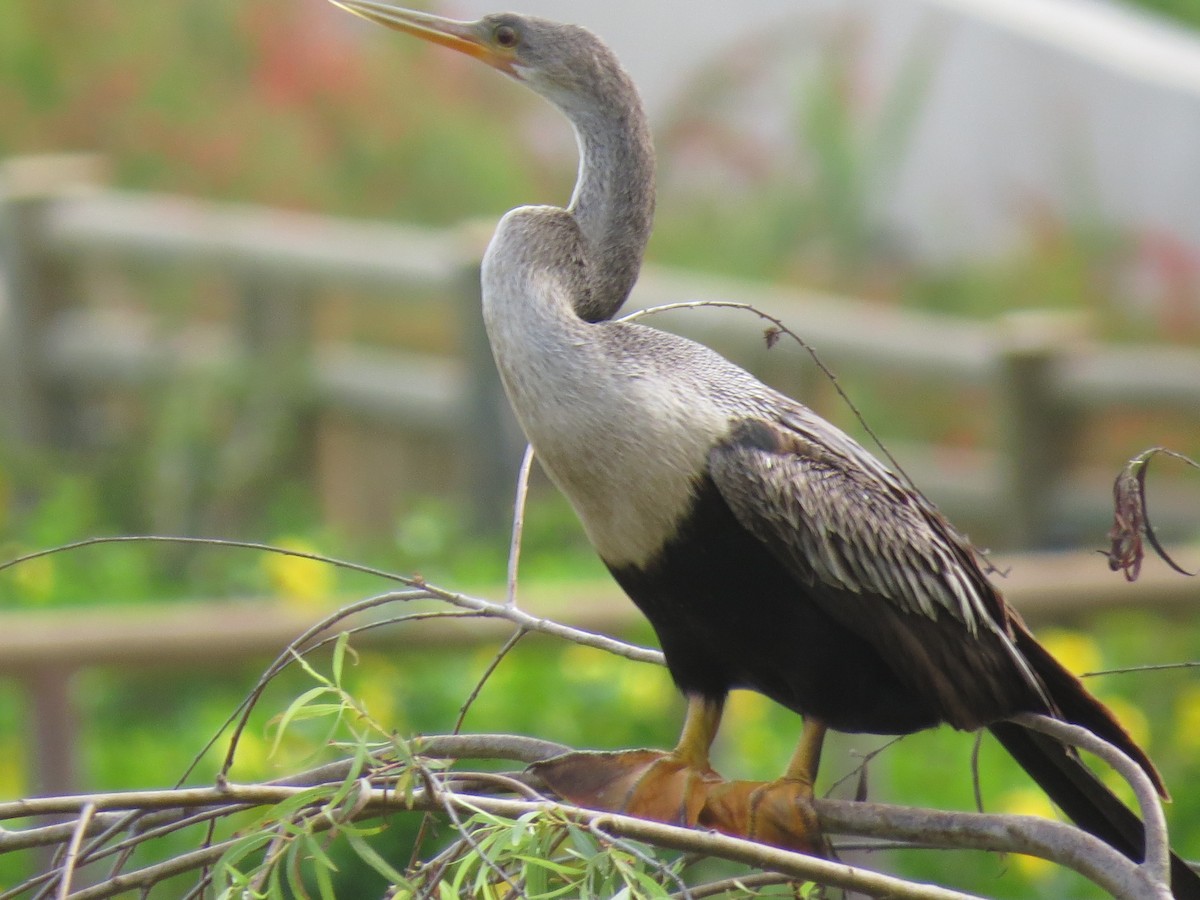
(45, 651)
(1042, 376)
(57, 353)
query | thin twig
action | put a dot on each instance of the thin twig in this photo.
(507, 783)
(513, 640)
(976, 781)
(68, 868)
(740, 884)
(296, 648)
(1153, 667)
(779, 327)
(549, 626)
(518, 523)
(608, 841)
(864, 760)
(209, 542)
(449, 803)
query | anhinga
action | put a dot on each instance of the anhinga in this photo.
(767, 548)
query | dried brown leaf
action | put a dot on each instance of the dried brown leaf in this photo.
(1131, 518)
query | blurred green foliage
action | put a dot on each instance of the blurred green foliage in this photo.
(273, 101)
(1184, 11)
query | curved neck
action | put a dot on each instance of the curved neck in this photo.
(613, 200)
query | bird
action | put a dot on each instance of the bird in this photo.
(768, 549)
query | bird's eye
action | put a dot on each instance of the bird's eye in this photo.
(507, 36)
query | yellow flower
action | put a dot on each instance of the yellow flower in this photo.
(1077, 652)
(303, 582)
(1028, 801)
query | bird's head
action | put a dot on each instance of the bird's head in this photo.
(566, 64)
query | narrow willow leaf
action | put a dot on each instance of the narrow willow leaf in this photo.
(292, 711)
(339, 656)
(307, 667)
(371, 857)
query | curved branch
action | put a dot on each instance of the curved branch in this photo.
(1050, 840)
(1058, 842)
(1157, 865)
(546, 626)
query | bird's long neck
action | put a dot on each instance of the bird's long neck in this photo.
(614, 197)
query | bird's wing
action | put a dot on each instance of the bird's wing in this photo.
(837, 517)
(863, 544)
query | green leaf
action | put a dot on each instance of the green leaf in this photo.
(339, 656)
(293, 710)
(239, 851)
(307, 667)
(371, 857)
(320, 859)
(324, 879)
(547, 864)
(583, 843)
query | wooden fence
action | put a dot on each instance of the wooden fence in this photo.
(58, 352)
(1041, 377)
(44, 652)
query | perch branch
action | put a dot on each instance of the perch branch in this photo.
(1056, 841)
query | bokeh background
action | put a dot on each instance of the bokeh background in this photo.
(238, 243)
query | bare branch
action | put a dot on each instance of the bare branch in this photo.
(1021, 834)
(68, 868)
(1157, 865)
(742, 883)
(509, 645)
(518, 525)
(548, 626)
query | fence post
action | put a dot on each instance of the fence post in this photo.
(276, 331)
(1036, 432)
(493, 438)
(53, 760)
(34, 288)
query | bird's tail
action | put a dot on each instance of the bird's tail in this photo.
(1070, 784)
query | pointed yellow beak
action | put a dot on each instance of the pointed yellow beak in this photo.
(465, 37)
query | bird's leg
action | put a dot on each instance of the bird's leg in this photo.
(652, 784)
(775, 812)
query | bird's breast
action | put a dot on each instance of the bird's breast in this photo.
(627, 451)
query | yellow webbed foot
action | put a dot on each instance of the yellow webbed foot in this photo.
(650, 784)
(779, 813)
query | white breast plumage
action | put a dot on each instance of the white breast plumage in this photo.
(625, 448)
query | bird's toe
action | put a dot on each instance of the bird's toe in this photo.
(779, 813)
(649, 784)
